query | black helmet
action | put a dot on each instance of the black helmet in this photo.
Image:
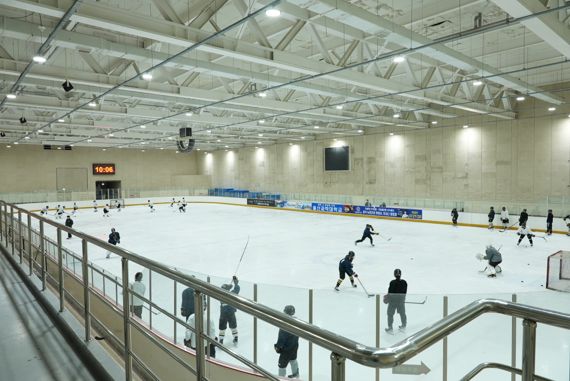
(289, 310)
(351, 254)
(227, 287)
(397, 273)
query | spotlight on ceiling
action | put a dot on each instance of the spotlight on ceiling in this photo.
(92, 104)
(520, 98)
(61, 120)
(477, 83)
(11, 96)
(273, 12)
(23, 120)
(399, 59)
(396, 115)
(147, 76)
(67, 86)
(39, 59)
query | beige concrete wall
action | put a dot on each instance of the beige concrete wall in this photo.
(31, 168)
(507, 160)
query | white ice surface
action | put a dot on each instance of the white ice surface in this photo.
(289, 252)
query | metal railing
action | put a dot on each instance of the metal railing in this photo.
(12, 235)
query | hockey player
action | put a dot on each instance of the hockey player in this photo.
(368, 231)
(106, 210)
(69, 224)
(190, 337)
(567, 222)
(524, 231)
(75, 209)
(504, 217)
(523, 218)
(287, 345)
(95, 206)
(44, 211)
(491, 216)
(151, 206)
(454, 216)
(367, 203)
(172, 202)
(114, 239)
(494, 258)
(396, 299)
(345, 268)
(182, 207)
(228, 313)
(60, 212)
(549, 221)
(119, 206)
(136, 302)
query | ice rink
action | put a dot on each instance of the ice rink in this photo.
(291, 252)
(303, 249)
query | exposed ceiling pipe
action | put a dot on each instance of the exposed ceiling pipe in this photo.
(45, 46)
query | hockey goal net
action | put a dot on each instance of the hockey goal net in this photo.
(558, 271)
(114, 203)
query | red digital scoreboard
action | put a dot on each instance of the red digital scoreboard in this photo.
(104, 169)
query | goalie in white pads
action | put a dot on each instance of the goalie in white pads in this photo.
(505, 217)
(494, 258)
(525, 231)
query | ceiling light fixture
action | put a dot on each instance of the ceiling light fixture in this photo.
(11, 96)
(92, 104)
(396, 115)
(260, 135)
(477, 82)
(434, 122)
(89, 140)
(143, 126)
(520, 98)
(16, 143)
(67, 86)
(262, 121)
(111, 135)
(302, 137)
(40, 131)
(8, 146)
(552, 109)
(273, 12)
(398, 59)
(465, 126)
(258, 142)
(339, 107)
(189, 113)
(263, 94)
(317, 127)
(147, 76)
(39, 59)
(27, 137)
(360, 131)
(61, 120)
(391, 134)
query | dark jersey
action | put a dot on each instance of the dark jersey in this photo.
(187, 307)
(523, 218)
(368, 231)
(397, 291)
(114, 238)
(226, 309)
(286, 342)
(69, 222)
(345, 265)
(550, 218)
(491, 215)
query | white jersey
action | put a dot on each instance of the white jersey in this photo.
(190, 335)
(523, 230)
(504, 214)
(140, 289)
(60, 210)
(94, 204)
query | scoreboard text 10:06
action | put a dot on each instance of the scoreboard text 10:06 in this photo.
(104, 169)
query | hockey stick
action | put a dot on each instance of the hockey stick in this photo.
(384, 238)
(422, 302)
(363, 288)
(241, 258)
(507, 228)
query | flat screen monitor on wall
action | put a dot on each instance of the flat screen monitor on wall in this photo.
(337, 158)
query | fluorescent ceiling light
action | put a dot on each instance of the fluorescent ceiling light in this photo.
(39, 59)
(397, 115)
(552, 109)
(147, 76)
(339, 107)
(399, 59)
(11, 96)
(520, 98)
(61, 120)
(477, 83)
(273, 12)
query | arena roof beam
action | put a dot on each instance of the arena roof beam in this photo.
(121, 21)
(366, 21)
(547, 27)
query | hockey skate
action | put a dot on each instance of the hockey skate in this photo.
(235, 340)
(389, 330)
(491, 276)
(336, 288)
(294, 375)
(402, 328)
(354, 285)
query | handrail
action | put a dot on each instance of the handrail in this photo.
(493, 365)
(387, 357)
